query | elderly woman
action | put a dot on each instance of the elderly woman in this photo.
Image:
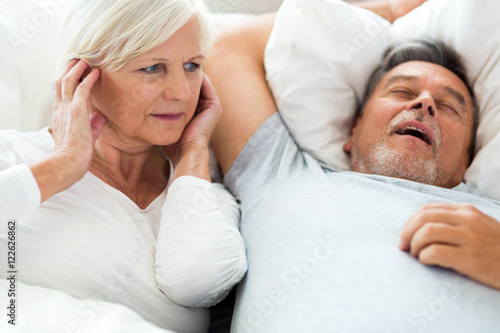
(114, 202)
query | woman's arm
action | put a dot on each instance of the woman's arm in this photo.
(200, 254)
(74, 132)
(20, 193)
(74, 135)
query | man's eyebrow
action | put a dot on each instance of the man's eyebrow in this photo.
(400, 77)
(458, 96)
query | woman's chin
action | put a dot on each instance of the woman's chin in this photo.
(165, 141)
(123, 142)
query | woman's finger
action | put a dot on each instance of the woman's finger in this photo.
(82, 92)
(56, 86)
(71, 80)
(207, 89)
(69, 66)
(208, 98)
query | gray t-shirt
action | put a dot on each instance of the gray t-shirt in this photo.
(323, 252)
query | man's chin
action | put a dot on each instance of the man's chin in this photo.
(385, 162)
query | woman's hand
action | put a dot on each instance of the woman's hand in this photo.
(190, 154)
(74, 131)
(459, 237)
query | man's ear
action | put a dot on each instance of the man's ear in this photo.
(348, 145)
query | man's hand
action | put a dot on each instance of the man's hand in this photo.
(459, 237)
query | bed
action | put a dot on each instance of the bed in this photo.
(347, 45)
(29, 31)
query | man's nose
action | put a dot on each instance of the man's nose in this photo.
(424, 103)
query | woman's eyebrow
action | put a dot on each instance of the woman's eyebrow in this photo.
(166, 60)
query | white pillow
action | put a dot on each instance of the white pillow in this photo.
(318, 60)
(29, 34)
(243, 6)
(322, 52)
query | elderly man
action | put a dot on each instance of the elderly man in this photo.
(322, 244)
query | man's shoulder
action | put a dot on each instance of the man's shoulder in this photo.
(270, 158)
(462, 193)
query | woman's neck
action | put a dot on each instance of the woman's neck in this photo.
(136, 170)
(129, 164)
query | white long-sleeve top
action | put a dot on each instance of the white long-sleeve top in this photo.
(166, 262)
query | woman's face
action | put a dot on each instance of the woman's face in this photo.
(154, 96)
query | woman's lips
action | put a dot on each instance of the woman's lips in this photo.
(169, 117)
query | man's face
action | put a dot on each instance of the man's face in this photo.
(416, 125)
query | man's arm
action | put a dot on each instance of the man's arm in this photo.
(235, 65)
(389, 9)
(459, 237)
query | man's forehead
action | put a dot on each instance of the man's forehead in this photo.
(421, 73)
(398, 77)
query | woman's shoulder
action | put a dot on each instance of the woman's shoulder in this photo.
(24, 147)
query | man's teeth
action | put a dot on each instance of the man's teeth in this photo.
(414, 128)
(414, 131)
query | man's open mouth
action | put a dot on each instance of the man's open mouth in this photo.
(416, 132)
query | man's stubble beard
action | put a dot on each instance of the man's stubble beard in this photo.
(386, 162)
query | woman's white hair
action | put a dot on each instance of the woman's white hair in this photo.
(109, 33)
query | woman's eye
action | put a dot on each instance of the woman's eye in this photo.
(191, 67)
(151, 69)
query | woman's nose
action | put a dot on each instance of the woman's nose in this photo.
(177, 87)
